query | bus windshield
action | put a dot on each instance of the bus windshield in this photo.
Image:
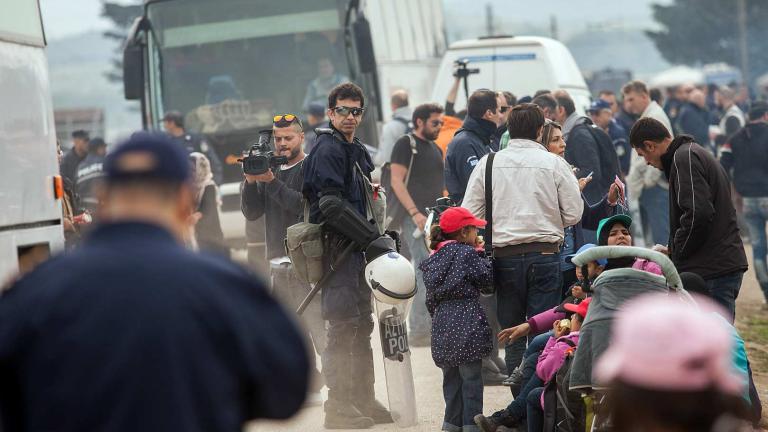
(231, 65)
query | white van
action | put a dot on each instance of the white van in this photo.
(520, 64)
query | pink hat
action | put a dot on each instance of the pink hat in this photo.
(661, 343)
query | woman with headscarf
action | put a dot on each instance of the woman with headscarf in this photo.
(208, 235)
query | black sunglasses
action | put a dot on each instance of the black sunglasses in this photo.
(436, 123)
(345, 111)
(504, 109)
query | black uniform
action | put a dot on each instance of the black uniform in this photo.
(69, 164)
(346, 299)
(131, 332)
(89, 173)
(196, 143)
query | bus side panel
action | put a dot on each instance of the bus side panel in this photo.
(27, 138)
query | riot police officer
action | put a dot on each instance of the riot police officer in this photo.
(335, 167)
(132, 332)
(173, 123)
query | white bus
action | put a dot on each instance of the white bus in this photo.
(30, 186)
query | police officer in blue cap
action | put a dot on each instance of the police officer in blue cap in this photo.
(602, 116)
(132, 332)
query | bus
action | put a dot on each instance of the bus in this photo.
(230, 65)
(30, 199)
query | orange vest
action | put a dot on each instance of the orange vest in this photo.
(450, 126)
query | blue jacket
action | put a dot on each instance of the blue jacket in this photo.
(132, 332)
(453, 276)
(620, 139)
(470, 143)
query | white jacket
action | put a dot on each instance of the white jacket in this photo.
(641, 175)
(535, 195)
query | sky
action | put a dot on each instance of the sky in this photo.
(67, 17)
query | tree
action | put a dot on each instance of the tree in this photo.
(707, 31)
(122, 17)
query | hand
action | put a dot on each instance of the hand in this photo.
(420, 220)
(559, 332)
(267, 177)
(479, 242)
(662, 249)
(614, 194)
(578, 292)
(194, 218)
(583, 182)
(511, 334)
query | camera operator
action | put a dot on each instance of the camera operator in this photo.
(276, 195)
(336, 167)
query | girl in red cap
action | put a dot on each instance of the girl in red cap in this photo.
(461, 336)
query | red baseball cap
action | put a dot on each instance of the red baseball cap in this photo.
(456, 218)
(580, 308)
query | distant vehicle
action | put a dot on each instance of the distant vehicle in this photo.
(30, 205)
(230, 65)
(520, 64)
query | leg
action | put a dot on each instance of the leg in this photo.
(419, 322)
(516, 409)
(536, 345)
(471, 393)
(724, 291)
(511, 295)
(452, 386)
(543, 278)
(657, 207)
(535, 413)
(755, 213)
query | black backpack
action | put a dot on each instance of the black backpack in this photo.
(609, 160)
(564, 409)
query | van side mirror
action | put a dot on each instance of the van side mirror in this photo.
(364, 44)
(133, 63)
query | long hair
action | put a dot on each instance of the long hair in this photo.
(547, 131)
(437, 236)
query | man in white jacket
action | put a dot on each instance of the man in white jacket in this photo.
(648, 190)
(535, 195)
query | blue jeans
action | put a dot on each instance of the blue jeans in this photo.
(525, 286)
(530, 381)
(419, 322)
(756, 215)
(535, 414)
(724, 291)
(463, 393)
(654, 207)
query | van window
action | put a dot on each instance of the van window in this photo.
(20, 22)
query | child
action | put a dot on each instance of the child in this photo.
(461, 336)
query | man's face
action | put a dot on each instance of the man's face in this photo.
(619, 235)
(494, 114)
(504, 110)
(651, 152)
(636, 102)
(288, 141)
(602, 118)
(611, 99)
(168, 125)
(549, 113)
(80, 144)
(343, 116)
(430, 129)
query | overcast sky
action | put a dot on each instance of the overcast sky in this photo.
(66, 17)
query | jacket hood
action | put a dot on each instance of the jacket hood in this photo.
(482, 127)
(666, 158)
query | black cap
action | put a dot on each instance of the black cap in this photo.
(148, 155)
(96, 143)
(174, 117)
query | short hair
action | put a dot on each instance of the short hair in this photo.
(606, 93)
(346, 90)
(727, 92)
(565, 101)
(636, 86)
(647, 129)
(481, 101)
(424, 111)
(541, 92)
(655, 95)
(81, 134)
(96, 143)
(758, 110)
(525, 121)
(545, 100)
(399, 98)
(509, 97)
(174, 117)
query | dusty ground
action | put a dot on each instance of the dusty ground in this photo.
(752, 322)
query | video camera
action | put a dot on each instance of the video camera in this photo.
(462, 71)
(261, 157)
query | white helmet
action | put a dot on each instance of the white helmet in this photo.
(389, 275)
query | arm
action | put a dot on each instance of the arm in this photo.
(726, 158)
(450, 100)
(593, 214)
(282, 195)
(695, 202)
(478, 268)
(543, 321)
(401, 158)
(252, 200)
(208, 228)
(582, 152)
(474, 199)
(550, 360)
(635, 183)
(732, 126)
(568, 194)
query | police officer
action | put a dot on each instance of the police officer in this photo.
(90, 174)
(132, 332)
(331, 169)
(276, 195)
(173, 123)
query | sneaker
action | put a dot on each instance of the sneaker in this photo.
(491, 378)
(376, 411)
(500, 364)
(344, 415)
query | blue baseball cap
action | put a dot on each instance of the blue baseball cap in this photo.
(599, 105)
(148, 155)
(602, 261)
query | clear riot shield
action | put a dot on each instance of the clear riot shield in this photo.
(401, 390)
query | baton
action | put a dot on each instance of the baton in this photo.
(308, 299)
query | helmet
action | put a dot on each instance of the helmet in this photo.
(389, 275)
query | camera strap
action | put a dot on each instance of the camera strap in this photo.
(489, 204)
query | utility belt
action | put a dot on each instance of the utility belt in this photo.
(526, 248)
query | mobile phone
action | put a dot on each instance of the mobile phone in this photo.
(590, 174)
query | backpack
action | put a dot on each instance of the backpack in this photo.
(609, 160)
(395, 211)
(564, 409)
(408, 125)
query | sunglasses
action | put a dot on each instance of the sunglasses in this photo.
(504, 109)
(436, 123)
(345, 111)
(284, 120)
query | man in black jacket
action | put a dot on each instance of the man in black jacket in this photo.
(745, 158)
(90, 174)
(704, 234)
(276, 195)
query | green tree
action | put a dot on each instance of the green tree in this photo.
(122, 17)
(707, 31)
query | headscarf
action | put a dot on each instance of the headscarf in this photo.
(202, 176)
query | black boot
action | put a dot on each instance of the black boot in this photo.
(497, 420)
(363, 393)
(343, 415)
